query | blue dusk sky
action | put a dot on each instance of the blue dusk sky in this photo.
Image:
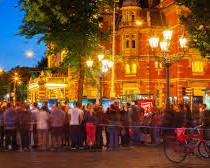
(13, 47)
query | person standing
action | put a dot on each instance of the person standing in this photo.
(75, 116)
(99, 126)
(124, 118)
(57, 119)
(25, 127)
(112, 129)
(2, 110)
(43, 128)
(90, 125)
(134, 113)
(10, 124)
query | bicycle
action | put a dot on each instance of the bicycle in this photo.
(186, 142)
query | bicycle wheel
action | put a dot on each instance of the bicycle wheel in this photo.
(174, 150)
(204, 149)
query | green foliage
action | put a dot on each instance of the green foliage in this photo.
(69, 24)
(4, 80)
(42, 64)
(197, 23)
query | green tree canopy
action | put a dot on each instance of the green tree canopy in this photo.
(72, 25)
(197, 23)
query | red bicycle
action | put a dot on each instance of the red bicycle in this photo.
(186, 142)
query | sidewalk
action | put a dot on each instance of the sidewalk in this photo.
(132, 157)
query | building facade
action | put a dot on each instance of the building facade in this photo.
(139, 72)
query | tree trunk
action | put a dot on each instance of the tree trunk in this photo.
(80, 86)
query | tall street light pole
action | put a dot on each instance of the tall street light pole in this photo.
(112, 91)
(163, 55)
(16, 80)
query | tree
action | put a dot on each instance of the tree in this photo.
(69, 25)
(42, 64)
(197, 23)
(4, 80)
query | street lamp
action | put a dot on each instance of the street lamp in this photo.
(165, 58)
(1, 70)
(104, 65)
(16, 80)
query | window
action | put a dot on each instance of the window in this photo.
(127, 41)
(130, 41)
(133, 68)
(127, 16)
(127, 69)
(130, 68)
(133, 44)
(133, 17)
(133, 41)
(197, 66)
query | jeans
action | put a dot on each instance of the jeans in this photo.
(113, 137)
(25, 138)
(125, 137)
(99, 137)
(136, 135)
(10, 138)
(155, 135)
(75, 132)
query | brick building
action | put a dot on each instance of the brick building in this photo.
(140, 73)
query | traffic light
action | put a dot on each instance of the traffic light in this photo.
(183, 91)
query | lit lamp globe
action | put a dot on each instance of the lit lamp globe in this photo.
(167, 34)
(29, 54)
(89, 63)
(1, 70)
(154, 42)
(183, 42)
(100, 57)
(110, 64)
(164, 46)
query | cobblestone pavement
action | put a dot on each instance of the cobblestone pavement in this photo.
(133, 157)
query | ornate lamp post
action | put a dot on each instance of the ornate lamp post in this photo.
(104, 66)
(162, 53)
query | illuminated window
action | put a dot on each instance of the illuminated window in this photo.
(133, 68)
(130, 68)
(127, 41)
(197, 66)
(127, 69)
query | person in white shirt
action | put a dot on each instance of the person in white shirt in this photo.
(43, 127)
(75, 116)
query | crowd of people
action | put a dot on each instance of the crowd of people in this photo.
(24, 127)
